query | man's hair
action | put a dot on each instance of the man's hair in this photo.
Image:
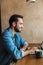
(14, 18)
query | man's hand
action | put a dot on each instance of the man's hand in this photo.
(24, 47)
(31, 51)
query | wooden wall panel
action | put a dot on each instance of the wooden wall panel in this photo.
(33, 17)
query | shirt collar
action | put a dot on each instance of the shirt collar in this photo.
(17, 33)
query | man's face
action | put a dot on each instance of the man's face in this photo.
(19, 25)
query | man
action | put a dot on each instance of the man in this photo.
(13, 44)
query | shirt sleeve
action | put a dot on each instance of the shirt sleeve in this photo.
(10, 47)
(23, 41)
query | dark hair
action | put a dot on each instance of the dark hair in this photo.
(14, 18)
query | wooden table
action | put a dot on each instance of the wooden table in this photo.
(30, 60)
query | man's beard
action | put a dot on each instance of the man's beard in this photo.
(17, 30)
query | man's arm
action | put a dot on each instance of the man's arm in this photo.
(31, 51)
(24, 44)
(24, 47)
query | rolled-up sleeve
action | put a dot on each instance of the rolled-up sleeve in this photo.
(23, 41)
(10, 47)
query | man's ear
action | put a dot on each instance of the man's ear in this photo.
(14, 24)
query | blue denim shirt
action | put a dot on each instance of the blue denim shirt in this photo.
(11, 47)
